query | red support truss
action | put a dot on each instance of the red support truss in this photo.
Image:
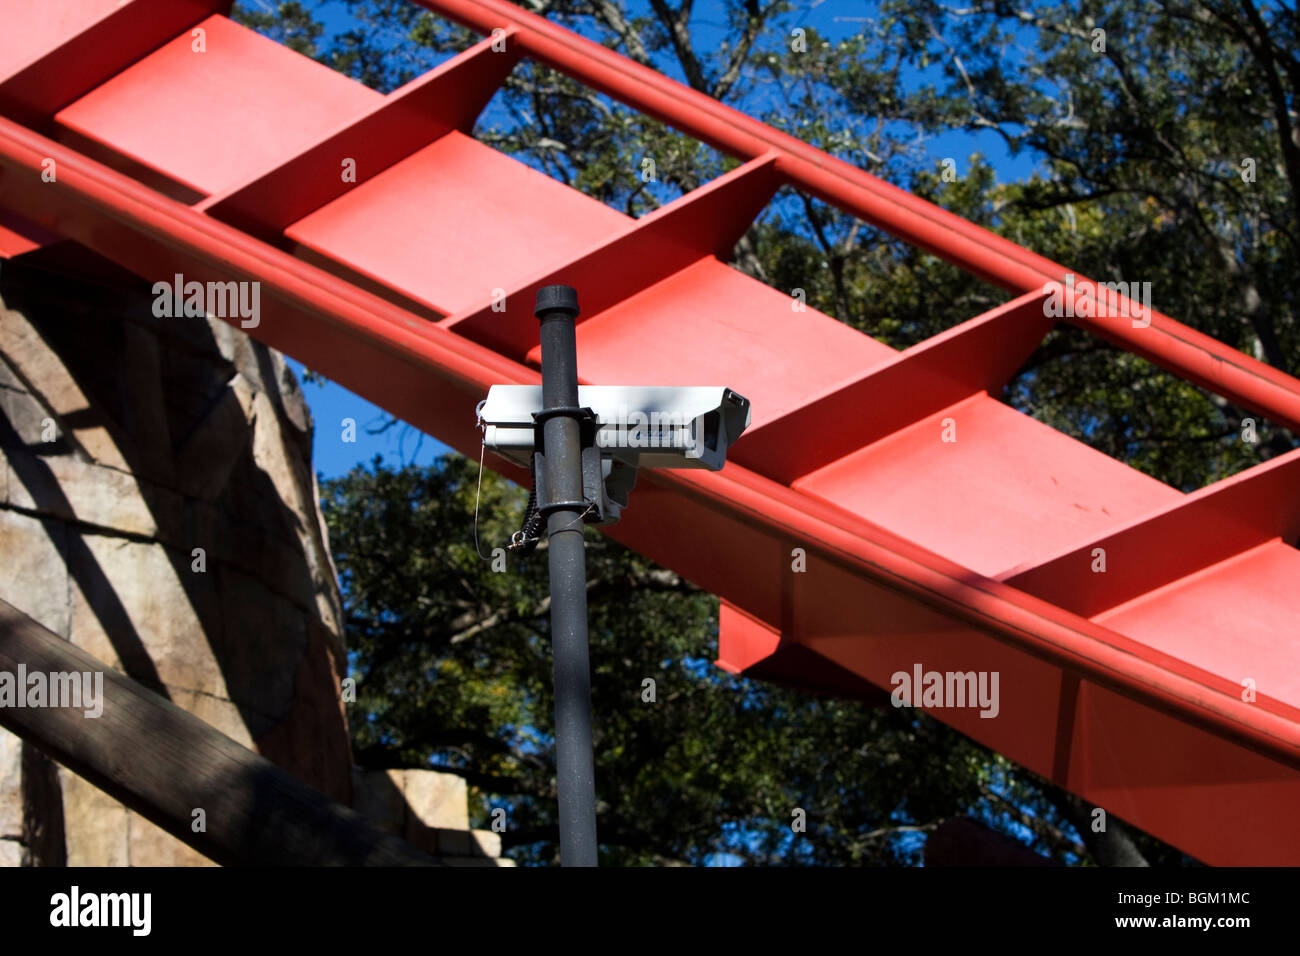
(977, 554)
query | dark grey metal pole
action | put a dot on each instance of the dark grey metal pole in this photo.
(557, 308)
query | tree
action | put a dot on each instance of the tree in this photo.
(453, 673)
(1140, 141)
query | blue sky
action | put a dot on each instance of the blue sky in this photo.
(331, 404)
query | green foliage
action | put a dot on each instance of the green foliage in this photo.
(1144, 146)
(453, 672)
(1140, 151)
(290, 24)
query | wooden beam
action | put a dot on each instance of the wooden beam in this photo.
(165, 763)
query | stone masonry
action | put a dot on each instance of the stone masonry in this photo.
(158, 508)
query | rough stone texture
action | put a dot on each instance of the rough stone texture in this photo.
(428, 809)
(465, 842)
(152, 846)
(96, 827)
(164, 613)
(392, 797)
(37, 582)
(56, 391)
(437, 799)
(11, 788)
(159, 509)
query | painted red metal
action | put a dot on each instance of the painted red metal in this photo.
(216, 116)
(1192, 533)
(18, 236)
(984, 498)
(976, 357)
(52, 53)
(1194, 356)
(846, 547)
(421, 225)
(448, 98)
(699, 224)
(710, 322)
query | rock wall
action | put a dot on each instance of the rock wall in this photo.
(158, 508)
(428, 809)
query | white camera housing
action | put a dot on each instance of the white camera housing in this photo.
(639, 426)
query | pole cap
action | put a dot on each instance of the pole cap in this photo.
(556, 298)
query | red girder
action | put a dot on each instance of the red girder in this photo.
(1192, 355)
(971, 555)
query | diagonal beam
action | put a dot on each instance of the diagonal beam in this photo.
(757, 650)
(401, 362)
(976, 356)
(165, 763)
(1209, 526)
(449, 97)
(706, 221)
(1170, 344)
(864, 573)
(41, 88)
(416, 370)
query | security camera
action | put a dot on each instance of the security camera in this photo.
(624, 428)
(640, 426)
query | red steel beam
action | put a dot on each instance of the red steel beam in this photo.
(425, 374)
(1197, 357)
(446, 98)
(704, 221)
(979, 355)
(1211, 525)
(322, 317)
(106, 45)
